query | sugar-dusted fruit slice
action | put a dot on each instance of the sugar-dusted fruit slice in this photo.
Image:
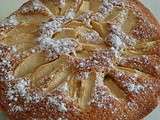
(87, 35)
(46, 69)
(114, 88)
(34, 7)
(21, 47)
(147, 48)
(57, 77)
(19, 38)
(130, 22)
(85, 6)
(87, 87)
(29, 64)
(83, 54)
(81, 89)
(113, 14)
(66, 33)
(73, 24)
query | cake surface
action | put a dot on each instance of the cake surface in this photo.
(79, 60)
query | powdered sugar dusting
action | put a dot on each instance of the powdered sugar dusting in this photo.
(49, 28)
(56, 24)
(116, 41)
(62, 118)
(102, 97)
(143, 29)
(135, 88)
(66, 45)
(16, 108)
(21, 87)
(82, 76)
(70, 14)
(86, 18)
(6, 62)
(21, 90)
(58, 102)
(34, 6)
(132, 105)
(64, 88)
(57, 46)
(131, 81)
(9, 22)
(119, 39)
(91, 36)
(103, 11)
(121, 18)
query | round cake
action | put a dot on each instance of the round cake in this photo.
(79, 60)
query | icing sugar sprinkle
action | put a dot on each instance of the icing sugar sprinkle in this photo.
(10, 21)
(16, 108)
(57, 101)
(58, 46)
(85, 18)
(135, 88)
(55, 25)
(32, 6)
(103, 11)
(6, 61)
(119, 39)
(100, 98)
(62, 118)
(49, 28)
(116, 41)
(66, 45)
(22, 89)
(64, 88)
(92, 37)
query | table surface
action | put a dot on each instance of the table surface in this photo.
(8, 6)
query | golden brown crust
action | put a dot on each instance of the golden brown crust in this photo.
(94, 57)
(147, 13)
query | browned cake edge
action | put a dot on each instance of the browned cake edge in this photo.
(146, 12)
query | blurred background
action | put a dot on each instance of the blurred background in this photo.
(8, 6)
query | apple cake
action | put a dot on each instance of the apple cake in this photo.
(79, 60)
